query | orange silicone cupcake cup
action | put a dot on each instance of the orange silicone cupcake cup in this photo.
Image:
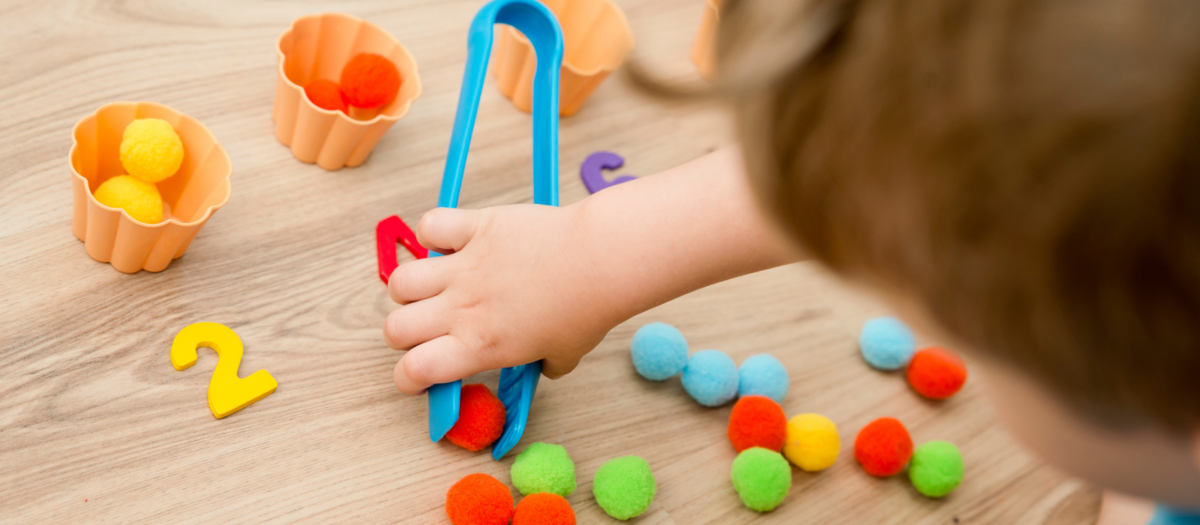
(318, 46)
(704, 50)
(190, 197)
(597, 38)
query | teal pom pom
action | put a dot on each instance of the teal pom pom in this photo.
(886, 343)
(711, 378)
(763, 375)
(659, 351)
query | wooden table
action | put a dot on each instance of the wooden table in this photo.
(97, 427)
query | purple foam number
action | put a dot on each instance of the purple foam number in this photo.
(592, 171)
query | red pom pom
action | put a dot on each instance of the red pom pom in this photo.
(325, 94)
(757, 421)
(479, 499)
(544, 509)
(370, 81)
(480, 419)
(883, 447)
(937, 373)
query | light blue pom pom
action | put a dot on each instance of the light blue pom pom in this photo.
(763, 375)
(659, 351)
(711, 378)
(886, 343)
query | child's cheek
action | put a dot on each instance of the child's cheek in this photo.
(1135, 459)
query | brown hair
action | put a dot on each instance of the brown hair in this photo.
(1028, 171)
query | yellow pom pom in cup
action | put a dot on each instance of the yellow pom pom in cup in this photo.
(200, 187)
(151, 150)
(812, 442)
(138, 198)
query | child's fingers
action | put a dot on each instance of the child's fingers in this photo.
(556, 367)
(418, 280)
(441, 360)
(447, 230)
(414, 324)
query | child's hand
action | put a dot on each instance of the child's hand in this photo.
(523, 283)
(516, 285)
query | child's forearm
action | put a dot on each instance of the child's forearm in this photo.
(663, 236)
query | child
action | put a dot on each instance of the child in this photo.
(1019, 179)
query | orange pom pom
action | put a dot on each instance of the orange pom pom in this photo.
(757, 421)
(544, 508)
(480, 418)
(937, 373)
(325, 94)
(370, 81)
(479, 499)
(883, 447)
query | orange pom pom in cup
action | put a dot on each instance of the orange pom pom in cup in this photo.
(193, 194)
(369, 82)
(320, 46)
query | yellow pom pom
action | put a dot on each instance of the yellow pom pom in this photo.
(139, 199)
(151, 150)
(812, 442)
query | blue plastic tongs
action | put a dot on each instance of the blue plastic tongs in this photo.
(517, 383)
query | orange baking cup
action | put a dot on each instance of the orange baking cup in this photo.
(318, 46)
(596, 38)
(704, 52)
(190, 197)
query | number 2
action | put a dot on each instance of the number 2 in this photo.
(227, 393)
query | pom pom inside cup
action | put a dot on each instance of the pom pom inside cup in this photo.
(151, 150)
(325, 94)
(319, 46)
(199, 188)
(138, 198)
(370, 81)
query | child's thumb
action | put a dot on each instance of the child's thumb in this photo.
(440, 360)
(447, 230)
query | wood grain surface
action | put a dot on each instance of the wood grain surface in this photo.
(97, 427)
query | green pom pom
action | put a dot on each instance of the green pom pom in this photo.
(624, 487)
(544, 468)
(762, 478)
(936, 468)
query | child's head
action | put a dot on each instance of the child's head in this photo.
(1021, 176)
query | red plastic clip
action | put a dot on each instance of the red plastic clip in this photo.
(387, 233)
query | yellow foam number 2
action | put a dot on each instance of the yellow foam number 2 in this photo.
(227, 393)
